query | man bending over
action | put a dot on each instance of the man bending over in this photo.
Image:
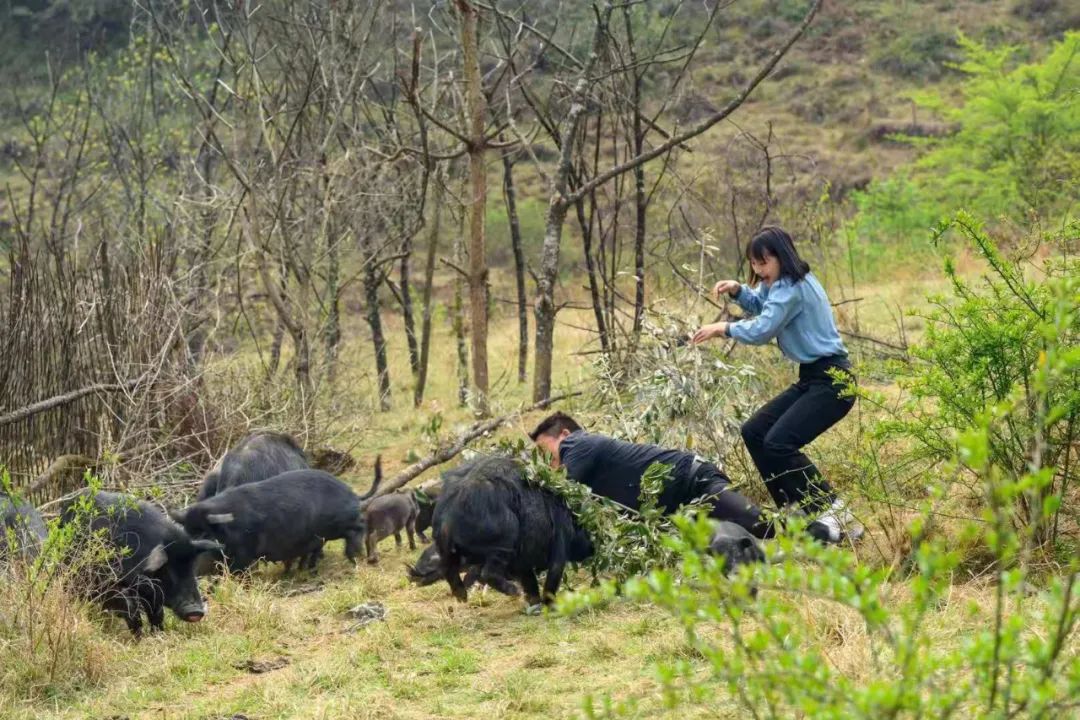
(613, 468)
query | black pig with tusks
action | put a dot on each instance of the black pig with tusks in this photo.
(153, 566)
(257, 457)
(492, 518)
(285, 518)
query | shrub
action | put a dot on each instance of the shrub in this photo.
(1018, 148)
(918, 54)
(985, 349)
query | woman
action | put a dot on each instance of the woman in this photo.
(790, 305)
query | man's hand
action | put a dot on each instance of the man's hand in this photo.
(731, 287)
(708, 332)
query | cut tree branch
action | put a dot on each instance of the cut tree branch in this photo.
(445, 453)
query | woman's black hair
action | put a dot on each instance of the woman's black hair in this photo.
(775, 241)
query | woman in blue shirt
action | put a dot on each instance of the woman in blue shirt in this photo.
(790, 305)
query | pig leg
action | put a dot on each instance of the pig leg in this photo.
(121, 603)
(397, 537)
(472, 575)
(410, 528)
(531, 587)
(372, 548)
(556, 567)
(288, 567)
(313, 558)
(152, 601)
(452, 573)
(494, 575)
(354, 544)
(552, 581)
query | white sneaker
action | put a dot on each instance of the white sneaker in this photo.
(840, 523)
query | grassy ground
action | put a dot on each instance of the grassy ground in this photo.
(432, 657)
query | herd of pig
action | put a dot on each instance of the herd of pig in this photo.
(264, 502)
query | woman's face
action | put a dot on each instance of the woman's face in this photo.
(767, 268)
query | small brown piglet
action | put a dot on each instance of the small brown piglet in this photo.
(388, 515)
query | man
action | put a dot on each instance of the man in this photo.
(613, 468)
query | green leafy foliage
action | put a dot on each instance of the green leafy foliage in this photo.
(1016, 154)
(985, 357)
(627, 542)
(1018, 147)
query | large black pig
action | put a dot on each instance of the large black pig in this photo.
(427, 494)
(493, 518)
(257, 457)
(284, 518)
(21, 528)
(153, 563)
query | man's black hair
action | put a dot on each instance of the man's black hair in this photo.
(775, 241)
(553, 425)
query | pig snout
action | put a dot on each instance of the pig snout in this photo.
(192, 614)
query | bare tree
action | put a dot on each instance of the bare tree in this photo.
(563, 197)
(476, 105)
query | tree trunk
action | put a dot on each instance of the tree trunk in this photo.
(640, 198)
(374, 321)
(407, 308)
(590, 268)
(429, 275)
(510, 197)
(282, 305)
(477, 111)
(332, 334)
(458, 313)
(544, 307)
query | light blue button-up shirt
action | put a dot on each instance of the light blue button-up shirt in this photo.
(797, 314)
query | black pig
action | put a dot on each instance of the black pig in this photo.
(735, 544)
(21, 528)
(428, 569)
(153, 566)
(493, 518)
(258, 456)
(284, 518)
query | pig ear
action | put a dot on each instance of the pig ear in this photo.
(156, 559)
(202, 546)
(747, 543)
(220, 518)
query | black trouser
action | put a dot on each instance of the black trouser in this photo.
(728, 504)
(776, 433)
